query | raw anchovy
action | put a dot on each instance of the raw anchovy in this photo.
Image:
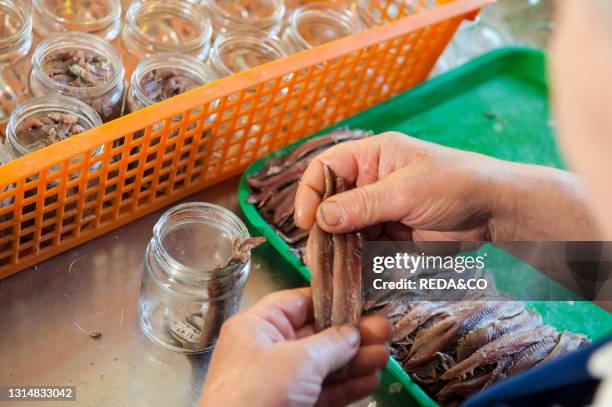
(160, 85)
(495, 329)
(504, 346)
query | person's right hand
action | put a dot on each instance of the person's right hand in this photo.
(409, 189)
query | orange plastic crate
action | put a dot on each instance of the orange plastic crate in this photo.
(61, 196)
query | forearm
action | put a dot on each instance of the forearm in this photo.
(531, 202)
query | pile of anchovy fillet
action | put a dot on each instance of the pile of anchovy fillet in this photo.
(450, 348)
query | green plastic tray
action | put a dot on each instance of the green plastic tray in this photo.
(495, 105)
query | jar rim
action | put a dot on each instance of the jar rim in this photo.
(254, 38)
(265, 21)
(26, 27)
(196, 13)
(85, 41)
(321, 11)
(56, 103)
(89, 26)
(175, 267)
(170, 60)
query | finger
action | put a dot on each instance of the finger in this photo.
(369, 359)
(326, 351)
(287, 310)
(368, 205)
(341, 394)
(305, 331)
(398, 231)
(375, 330)
(344, 160)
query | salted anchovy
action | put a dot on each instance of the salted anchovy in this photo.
(494, 330)
(295, 236)
(487, 312)
(335, 262)
(353, 264)
(320, 256)
(219, 285)
(504, 346)
(532, 354)
(430, 373)
(416, 317)
(568, 342)
(439, 336)
(463, 388)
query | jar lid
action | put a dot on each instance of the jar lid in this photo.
(318, 23)
(41, 121)
(237, 51)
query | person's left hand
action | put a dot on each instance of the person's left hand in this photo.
(268, 355)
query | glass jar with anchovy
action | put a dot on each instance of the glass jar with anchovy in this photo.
(195, 268)
(82, 66)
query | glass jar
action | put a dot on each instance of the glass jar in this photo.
(98, 17)
(190, 285)
(41, 121)
(154, 26)
(15, 43)
(164, 75)
(371, 14)
(317, 23)
(82, 66)
(237, 51)
(236, 15)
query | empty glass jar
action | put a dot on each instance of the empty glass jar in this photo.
(234, 15)
(236, 51)
(372, 14)
(154, 26)
(15, 43)
(317, 23)
(82, 66)
(191, 285)
(98, 17)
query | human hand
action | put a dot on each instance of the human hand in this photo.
(409, 189)
(268, 355)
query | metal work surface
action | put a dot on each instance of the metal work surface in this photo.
(48, 312)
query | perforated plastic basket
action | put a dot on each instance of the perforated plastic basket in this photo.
(63, 195)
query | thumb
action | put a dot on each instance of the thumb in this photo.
(329, 350)
(360, 207)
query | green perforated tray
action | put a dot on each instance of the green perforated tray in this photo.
(496, 105)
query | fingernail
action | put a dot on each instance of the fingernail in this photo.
(330, 213)
(351, 334)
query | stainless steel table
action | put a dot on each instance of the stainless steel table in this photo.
(47, 311)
